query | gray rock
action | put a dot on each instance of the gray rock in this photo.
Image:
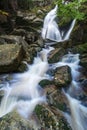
(62, 76)
(10, 57)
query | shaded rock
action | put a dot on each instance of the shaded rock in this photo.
(78, 35)
(84, 86)
(62, 76)
(19, 32)
(3, 18)
(83, 61)
(10, 57)
(82, 50)
(5, 23)
(56, 55)
(28, 21)
(29, 37)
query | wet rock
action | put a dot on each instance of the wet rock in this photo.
(83, 61)
(13, 121)
(62, 76)
(82, 50)
(10, 57)
(84, 86)
(50, 115)
(56, 55)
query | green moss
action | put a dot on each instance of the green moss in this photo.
(81, 48)
(45, 82)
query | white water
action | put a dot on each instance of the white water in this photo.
(78, 113)
(51, 29)
(23, 92)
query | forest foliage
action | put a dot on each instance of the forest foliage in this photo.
(68, 10)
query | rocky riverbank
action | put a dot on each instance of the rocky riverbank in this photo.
(20, 40)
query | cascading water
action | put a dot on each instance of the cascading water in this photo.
(23, 92)
(51, 30)
(78, 113)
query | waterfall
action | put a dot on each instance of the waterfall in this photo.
(78, 113)
(23, 92)
(51, 29)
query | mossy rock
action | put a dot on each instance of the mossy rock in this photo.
(81, 49)
(13, 121)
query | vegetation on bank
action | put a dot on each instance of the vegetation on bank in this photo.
(71, 9)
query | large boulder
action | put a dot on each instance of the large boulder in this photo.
(62, 76)
(10, 57)
(13, 121)
(12, 51)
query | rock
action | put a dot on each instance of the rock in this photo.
(78, 35)
(56, 55)
(11, 39)
(62, 76)
(13, 121)
(83, 61)
(28, 21)
(84, 86)
(50, 115)
(10, 57)
(5, 23)
(82, 50)
(40, 12)
(31, 37)
(19, 32)
(3, 18)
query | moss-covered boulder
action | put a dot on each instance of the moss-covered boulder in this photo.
(13, 121)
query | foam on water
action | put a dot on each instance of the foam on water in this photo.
(23, 93)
